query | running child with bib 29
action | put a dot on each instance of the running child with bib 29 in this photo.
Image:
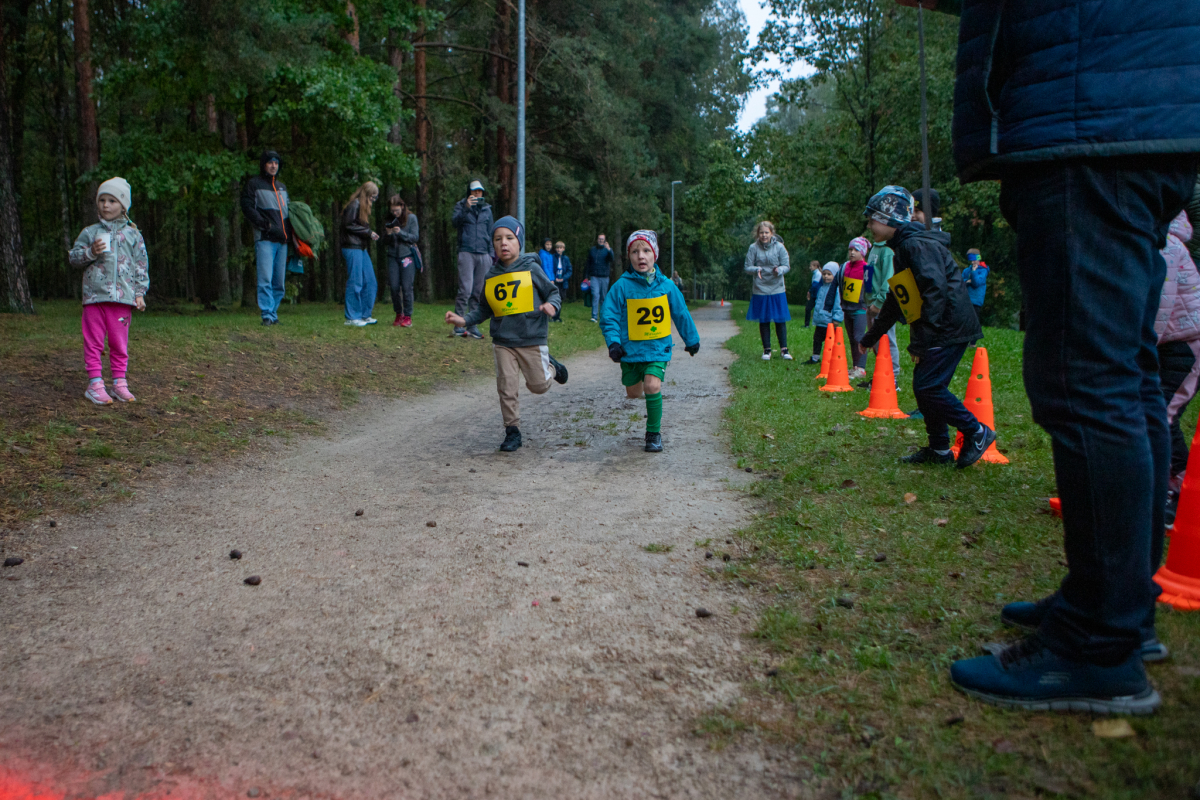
(636, 322)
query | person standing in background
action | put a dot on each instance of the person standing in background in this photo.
(767, 261)
(975, 277)
(402, 231)
(472, 219)
(357, 236)
(810, 300)
(561, 274)
(265, 206)
(599, 268)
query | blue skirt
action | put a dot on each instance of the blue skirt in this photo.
(769, 308)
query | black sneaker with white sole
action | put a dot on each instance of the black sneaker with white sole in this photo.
(512, 439)
(654, 443)
(927, 455)
(974, 447)
(560, 371)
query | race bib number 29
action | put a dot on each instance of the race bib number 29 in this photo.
(509, 293)
(904, 287)
(649, 318)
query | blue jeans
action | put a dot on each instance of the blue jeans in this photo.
(1088, 235)
(271, 258)
(599, 292)
(361, 286)
(931, 382)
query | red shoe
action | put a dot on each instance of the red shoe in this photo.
(406, 322)
(399, 321)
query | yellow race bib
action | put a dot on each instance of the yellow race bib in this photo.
(648, 319)
(904, 287)
(852, 289)
(509, 293)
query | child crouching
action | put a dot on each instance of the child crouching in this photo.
(116, 278)
(636, 321)
(927, 291)
(826, 308)
(520, 301)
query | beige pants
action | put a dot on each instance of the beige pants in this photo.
(511, 363)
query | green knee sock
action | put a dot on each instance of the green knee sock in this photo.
(654, 413)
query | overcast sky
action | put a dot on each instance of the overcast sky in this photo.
(756, 102)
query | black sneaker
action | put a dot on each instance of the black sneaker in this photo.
(266, 323)
(973, 448)
(1029, 676)
(1028, 616)
(653, 442)
(512, 439)
(865, 384)
(927, 455)
(1172, 508)
(474, 333)
(560, 372)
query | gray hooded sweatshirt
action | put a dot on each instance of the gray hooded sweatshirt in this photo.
(518, 330)
(772, 256)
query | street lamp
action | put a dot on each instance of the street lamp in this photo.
(521, 112)
(673, 230)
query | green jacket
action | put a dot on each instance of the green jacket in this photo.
(880, 258)
(306, 225)
(517, 330)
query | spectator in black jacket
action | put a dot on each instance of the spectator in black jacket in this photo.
(599, 268)
(265, 205)
(361, 284)
(929, 294)
(473, 219)
(402, 232)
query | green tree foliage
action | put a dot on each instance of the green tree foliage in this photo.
(624, 97)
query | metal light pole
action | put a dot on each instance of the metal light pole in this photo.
(673, 228)
(521, 112)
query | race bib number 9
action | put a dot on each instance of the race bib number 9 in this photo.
(648, 319)
(509, 293)
(904, 287)
(852, 289)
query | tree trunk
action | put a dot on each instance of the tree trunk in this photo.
(221, 226)
(17, 298)
(396, 62)
(351, 35)
(89, 131)
(422, 125)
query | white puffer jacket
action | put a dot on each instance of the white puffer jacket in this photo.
(1178, 317)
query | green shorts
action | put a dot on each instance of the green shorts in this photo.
(632, 373)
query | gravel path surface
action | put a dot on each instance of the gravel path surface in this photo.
(489, 626)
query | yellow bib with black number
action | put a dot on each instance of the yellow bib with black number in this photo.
(509, 293)
(904, 287)
(648, 319)
(852, 289)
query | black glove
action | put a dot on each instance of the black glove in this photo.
(692, 349)
(616, 352)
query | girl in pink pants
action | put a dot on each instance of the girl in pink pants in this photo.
(115, 280)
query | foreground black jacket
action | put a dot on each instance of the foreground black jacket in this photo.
(265, 203)
(355, 235)
(947, 316)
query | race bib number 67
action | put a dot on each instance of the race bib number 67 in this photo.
(649, 318)
(904, 287)
(509, 293)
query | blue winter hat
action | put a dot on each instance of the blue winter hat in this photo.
(511, 223)
(891, 205)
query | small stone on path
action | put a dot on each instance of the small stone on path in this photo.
(431, 524)
(358, 513)
(703, 612)
(235, 554)
(13, 561)
(253, 580)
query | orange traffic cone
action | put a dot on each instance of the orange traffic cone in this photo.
(826, 352)
(839, 378)
(978, 401)
(883, 403)
(1180, 576)
(722, 302)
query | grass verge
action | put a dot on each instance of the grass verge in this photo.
(872, 595)
(209, 385)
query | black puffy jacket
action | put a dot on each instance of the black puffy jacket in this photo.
(265, 202)
(947, 316)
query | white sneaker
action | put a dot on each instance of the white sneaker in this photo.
(857, 372)
(766, 355)
(357, 323)
(370, 321)
(786, 355)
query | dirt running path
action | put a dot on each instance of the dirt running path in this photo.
(381, 656)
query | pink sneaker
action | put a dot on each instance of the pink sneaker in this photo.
(95, 392)
(406, 322)
(121, 390)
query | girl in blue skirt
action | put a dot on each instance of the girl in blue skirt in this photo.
(767, 261)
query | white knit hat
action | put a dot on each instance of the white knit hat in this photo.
(118, 188)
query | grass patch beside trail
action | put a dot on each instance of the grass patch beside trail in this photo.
(863, 692)
(209, 384)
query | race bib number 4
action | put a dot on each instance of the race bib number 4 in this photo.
(904, 287)
(509, 293)
(852, 289)
(648, 319)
